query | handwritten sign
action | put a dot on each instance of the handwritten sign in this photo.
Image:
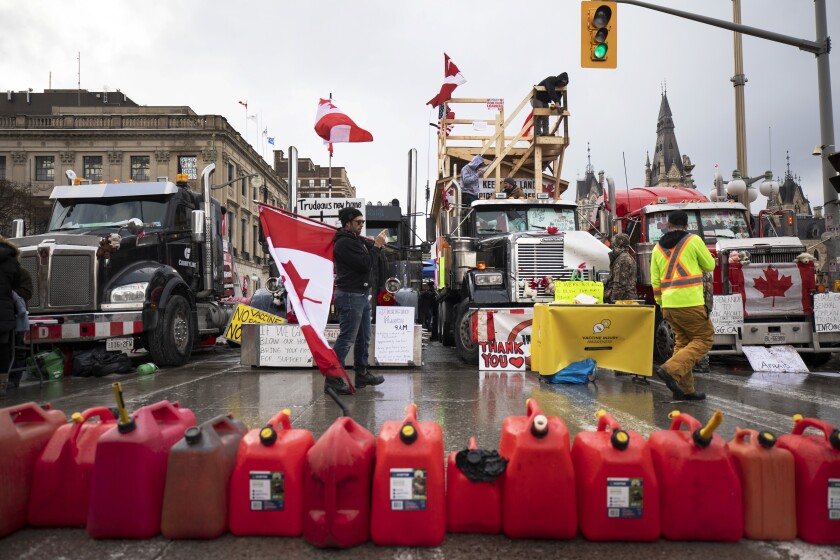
(247, 314)
(495, 103)
(775, 358)
(728, 314)
(394, 339)
(283, 346)
(827, 312)
(326, 209)
(502, 355)
(565, 292)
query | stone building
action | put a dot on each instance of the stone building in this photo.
(669, 168)
(588, 190)
(790, 195)
(106, 136)
(313, 180)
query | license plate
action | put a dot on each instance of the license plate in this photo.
(119, 344)
(774, 338)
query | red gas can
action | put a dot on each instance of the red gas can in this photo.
(336, 486)
(408, 505)
(130, 471)
(700, 490)
(25, 430)
(817, 461)
(195, 501)
(68, 457)
(538, 495)
(266, 489)
(474, 504)
(768, 483)
(617, 490)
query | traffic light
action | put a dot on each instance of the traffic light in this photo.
(598, 34)
(834, 160)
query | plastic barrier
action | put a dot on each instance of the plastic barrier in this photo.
(617, 489)
(129, 472)
(538, 496)
(817, 461)
(337, 486)
(408, 506)
(700, 490)
(768, 482)
(195, 501)
(68, 457)
(266, 488)
(474, 490)
(25, 430)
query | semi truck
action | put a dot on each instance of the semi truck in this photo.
(136, 265)
(756, 264)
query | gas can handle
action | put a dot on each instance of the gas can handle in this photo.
(685, 419)
(532, 407)
(410, 413)
(105, 416)
(801, 425)
(741, 435)
(165, 411)
(606, 423)
(223, 425)
(26, 412)
(472, 444)
(281, 418)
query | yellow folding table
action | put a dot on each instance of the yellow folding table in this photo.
(618, 337)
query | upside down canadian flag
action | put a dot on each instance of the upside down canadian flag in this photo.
(333, 125)
(303, 252)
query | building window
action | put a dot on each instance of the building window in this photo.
(311, 182)
(44, 168)
(244, 187)
(256, 240)
(188, 165)
(140, 168)
(231, 172)
(92, 168)
(323, 182)
(2, 167)
(244, 233)
(231, 218)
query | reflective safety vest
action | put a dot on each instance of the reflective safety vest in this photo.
(677, 274)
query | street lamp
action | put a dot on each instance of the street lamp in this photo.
(769, 188)
(737, 186)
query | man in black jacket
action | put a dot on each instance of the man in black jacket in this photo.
(354, 258)
(547, 98)
(9, 280)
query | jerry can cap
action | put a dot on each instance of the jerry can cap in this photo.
(766, 439)
(192, 435)
(77, 417)
(268, 436)
(834, 439)
(408, 433)
(539, 427)
(620, 439)
(473, 456)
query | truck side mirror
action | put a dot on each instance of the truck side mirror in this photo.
(134, 226)
(197, 225)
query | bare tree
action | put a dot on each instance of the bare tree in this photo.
(18, 202)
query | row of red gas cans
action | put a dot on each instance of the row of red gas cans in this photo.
(166, 474)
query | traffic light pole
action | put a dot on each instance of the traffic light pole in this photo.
(820, 49)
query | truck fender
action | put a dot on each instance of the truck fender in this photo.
(175, 286)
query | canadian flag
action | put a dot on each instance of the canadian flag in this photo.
(303, 252)
(452, 79)
(333, 125)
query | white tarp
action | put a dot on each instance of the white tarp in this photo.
(581, 248)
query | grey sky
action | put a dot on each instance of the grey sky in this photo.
(382, 60)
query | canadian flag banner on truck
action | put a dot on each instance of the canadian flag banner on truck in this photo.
(303, 252)
(771, 289)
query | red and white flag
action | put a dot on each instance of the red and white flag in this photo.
(333, 125)
(452, 79)
(303, 252)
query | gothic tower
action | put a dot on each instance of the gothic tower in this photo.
(668, 168)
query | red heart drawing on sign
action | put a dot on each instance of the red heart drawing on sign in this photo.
(517, 362)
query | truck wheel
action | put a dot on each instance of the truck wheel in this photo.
(446, 330)
(816, 360)
(467, 349)
(172, 342)
(663, 341)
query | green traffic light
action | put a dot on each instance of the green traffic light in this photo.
(600, 51)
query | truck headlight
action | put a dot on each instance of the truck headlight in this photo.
(130, 293)
(489, 279)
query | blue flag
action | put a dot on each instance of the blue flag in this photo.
(271, 140)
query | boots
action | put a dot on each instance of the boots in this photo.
(337, 385)
(365, 378)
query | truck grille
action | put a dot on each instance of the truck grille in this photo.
(66, 283)
(535, 259)
(70, 281)
(30, 264)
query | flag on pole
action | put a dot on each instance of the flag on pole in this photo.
(452, 79)
(245, 103)
(271, 140)
(303, 252)
(333, 125)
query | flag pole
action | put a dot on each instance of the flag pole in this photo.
(329, 169)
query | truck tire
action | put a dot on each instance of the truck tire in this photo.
(467, 349)
(172, 342)
(444, 324)
(816, 360)
(663, 340)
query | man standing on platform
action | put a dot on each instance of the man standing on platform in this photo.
(676, 271)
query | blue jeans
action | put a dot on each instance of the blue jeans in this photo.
(354, 323)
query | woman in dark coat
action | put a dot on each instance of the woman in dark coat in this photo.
(10, 279)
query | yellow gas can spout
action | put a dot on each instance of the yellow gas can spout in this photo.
(703, 436)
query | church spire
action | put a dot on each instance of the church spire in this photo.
(666, 155)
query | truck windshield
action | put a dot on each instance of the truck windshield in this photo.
(657, 225)
(505, 219)
(106, 212)
(724, 224)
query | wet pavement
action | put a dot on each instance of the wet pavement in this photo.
(466, 404)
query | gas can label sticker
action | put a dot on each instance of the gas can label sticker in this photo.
(267, 491)
(624, 498)
(834, 499)
(408, 489)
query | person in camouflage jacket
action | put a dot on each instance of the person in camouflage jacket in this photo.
(621, 283)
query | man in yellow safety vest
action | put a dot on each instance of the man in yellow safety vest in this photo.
(676, 271)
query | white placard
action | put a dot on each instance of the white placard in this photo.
(394, 340)
(775, 358)
(326, 209)
(501, 355)
(283, 346)
(827, 312)
(728, 314)
(583, 250)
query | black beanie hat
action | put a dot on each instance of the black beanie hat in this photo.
(348, 215)
(678, 218)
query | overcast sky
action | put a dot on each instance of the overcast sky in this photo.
(382, 60)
